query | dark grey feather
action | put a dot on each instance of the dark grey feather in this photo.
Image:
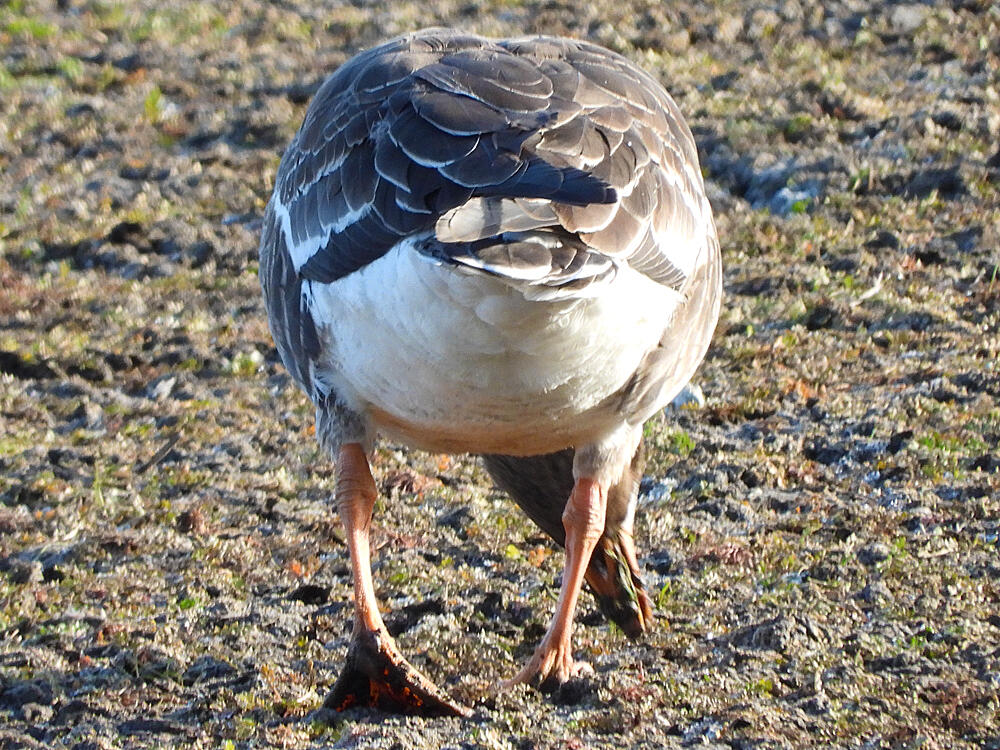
(485, 167)
(426, 144)
(392, 164)
(458, 115)
(331, 201)
(498, 65)
(460, 80)
(358, 178)
(542, 264)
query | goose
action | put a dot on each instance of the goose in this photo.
(494, 247)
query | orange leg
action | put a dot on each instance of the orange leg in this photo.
(375, 672)
(584, 517)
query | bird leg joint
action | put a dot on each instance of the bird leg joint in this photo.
(585, 512)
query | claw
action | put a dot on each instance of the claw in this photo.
(549, 668)
(375, 674)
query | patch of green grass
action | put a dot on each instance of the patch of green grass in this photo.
(167, 24)
(329, 733)
(153, 105)
(949, 444)
(295, 29)
(7, 82)
(17, 443)
(801, 206)
(798, 126)
(764, 687)
(71, 68)
(246, 364)
(680, 442)
(664, 595)
(28, 26)
(107, 76)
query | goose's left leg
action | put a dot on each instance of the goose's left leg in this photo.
(375, 673)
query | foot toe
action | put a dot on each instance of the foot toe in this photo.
(549, 668)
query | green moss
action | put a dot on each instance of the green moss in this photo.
(680, 442)
(797, 126)
(153, 105)
(27, 26)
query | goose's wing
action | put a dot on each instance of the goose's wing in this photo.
(403, 134)
(470, 140)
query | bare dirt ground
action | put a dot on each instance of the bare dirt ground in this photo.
(820, 539)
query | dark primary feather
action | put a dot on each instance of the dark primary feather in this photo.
(406, 132)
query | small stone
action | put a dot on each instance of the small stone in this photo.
(125, 232)
(572, 692)
(873, 554)
(207, 668)
(36, 713)
(899, 440)
(883, 240)
(659, 561)
(728, 29)
(690, 396)
(762, 23)
(947, 120)
(311, 593)
(817, 704)
(819, 450)
(21, 573)
(987, 463)
(905, 19)
(821, 316)
(875, 593)
(678, 41)
(751, 478)
(71, 712)
(160, 388)
(22, 693)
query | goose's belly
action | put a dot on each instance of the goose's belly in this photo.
(453, 361)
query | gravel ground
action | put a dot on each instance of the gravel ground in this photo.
(820, 538)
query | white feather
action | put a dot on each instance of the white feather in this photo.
(457, 361)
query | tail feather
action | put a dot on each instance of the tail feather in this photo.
(541, 485)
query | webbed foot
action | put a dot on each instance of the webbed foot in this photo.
(376, 674)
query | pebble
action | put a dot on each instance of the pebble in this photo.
(905, 19)
(873, 554)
